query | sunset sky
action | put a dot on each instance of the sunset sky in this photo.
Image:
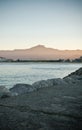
(53, 23)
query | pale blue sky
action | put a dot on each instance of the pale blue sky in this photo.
(53, 23)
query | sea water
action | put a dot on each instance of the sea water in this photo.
(30, 72)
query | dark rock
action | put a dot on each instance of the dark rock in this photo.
(55, 106)
(48, 83)
(77, 73)
(5, 96)
(74, 78)
(21, 89)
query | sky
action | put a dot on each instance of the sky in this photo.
(53, 23)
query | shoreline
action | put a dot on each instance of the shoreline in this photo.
(42, 61)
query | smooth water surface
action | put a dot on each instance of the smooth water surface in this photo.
(13, 73)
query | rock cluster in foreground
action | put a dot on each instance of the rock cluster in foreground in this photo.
(53, 104)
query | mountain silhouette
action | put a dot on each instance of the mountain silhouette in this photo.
(40, 52)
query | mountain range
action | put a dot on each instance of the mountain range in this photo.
(40, 52)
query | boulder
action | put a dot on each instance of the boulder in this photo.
(48, 83)
(77, 72)
(74, 77)
(21, 89)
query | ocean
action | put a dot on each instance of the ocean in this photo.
(30, 72)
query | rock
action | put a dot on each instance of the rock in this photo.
(48, 83)
(26, 88)
(57, 105)
(77, 72)
(74, 77)
(4, 92)
(21, 89)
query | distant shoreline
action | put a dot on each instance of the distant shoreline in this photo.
(37, 61)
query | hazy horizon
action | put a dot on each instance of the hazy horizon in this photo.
(41, 52)
(38, 46)
(53, 23)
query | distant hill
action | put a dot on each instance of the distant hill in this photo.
(40, 52)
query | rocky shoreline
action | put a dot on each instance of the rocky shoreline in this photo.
(53, 104)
